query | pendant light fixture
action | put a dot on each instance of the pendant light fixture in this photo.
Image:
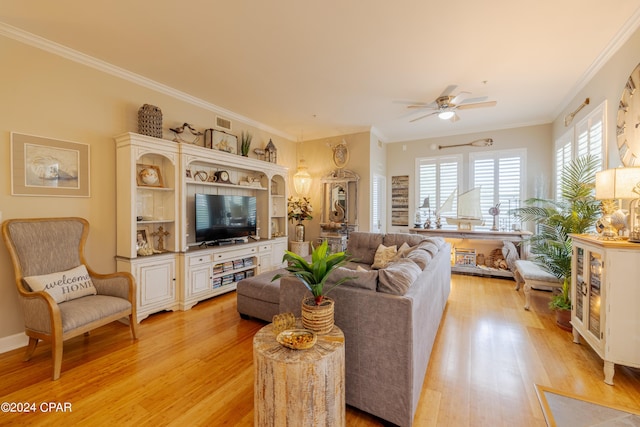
(302, 179)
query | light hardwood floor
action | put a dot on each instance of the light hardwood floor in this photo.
(195, 368)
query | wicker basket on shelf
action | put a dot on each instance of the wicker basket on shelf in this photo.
(150, 121)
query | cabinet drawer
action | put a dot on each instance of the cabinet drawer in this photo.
(238, 253)
(201, 259)
(265, 248)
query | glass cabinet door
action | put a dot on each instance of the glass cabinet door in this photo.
(580, 285)
(595, 279)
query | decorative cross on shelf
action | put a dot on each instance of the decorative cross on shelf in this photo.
(160, 234)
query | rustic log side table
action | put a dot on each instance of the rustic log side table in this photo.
(299, 387)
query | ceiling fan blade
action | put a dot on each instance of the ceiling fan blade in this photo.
(476, 105)
(448, 90)
(431, 105)
(460, 97)
(472, 100)
(422, 117)
(455, 118)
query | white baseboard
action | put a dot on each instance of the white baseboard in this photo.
(12, 342)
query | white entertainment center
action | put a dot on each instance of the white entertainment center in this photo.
(160, 210)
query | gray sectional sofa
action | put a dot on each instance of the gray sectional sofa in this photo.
(390, 317)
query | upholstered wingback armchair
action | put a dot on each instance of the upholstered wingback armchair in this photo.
(61, 296)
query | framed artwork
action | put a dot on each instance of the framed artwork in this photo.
(224, 142)
(400, 200)
(149, 176)
(48, 167)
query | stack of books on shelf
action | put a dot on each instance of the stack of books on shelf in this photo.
(227, 279)
(238, 263)
(217, 269)
(227, 266)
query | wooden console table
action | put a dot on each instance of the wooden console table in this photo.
(517, 237)
(299, 387)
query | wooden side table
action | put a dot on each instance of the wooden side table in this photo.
(299, 387)
(299, 248)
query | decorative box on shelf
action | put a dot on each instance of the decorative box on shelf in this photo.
(465, 257)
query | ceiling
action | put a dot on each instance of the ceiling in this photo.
(320, 69)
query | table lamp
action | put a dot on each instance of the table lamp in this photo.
(611, 185)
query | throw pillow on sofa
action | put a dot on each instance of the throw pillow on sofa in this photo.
(398, 277)
(384, 255)
(402, 251)
(363, 279)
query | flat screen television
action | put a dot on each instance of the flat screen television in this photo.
(222, 217)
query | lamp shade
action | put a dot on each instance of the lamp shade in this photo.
(617, 183)
(302, 180)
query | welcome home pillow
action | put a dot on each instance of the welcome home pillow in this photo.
(65, 285)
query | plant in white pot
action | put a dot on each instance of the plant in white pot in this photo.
(317, 311)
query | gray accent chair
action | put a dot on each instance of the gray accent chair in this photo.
(41, 246)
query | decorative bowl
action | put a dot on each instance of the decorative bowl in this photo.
(297, 339)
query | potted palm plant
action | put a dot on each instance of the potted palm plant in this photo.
(575, 212)
(317, 311)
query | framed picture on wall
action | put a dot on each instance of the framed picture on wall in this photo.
(48, 167)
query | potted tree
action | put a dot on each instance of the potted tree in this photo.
(317, 311)
(575, 212)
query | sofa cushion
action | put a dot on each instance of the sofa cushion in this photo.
(261, 287)
(398, 276)
(429, 246)
(398, 239)
(363, 279)
(438, 241)
(64, 285)
(362, 246)
(420, 257)
(384, 255)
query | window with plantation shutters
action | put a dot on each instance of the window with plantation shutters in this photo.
(438, 177)
(586, 137)
(377, 204)
(501, 177)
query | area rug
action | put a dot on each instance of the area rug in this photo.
(566, 410)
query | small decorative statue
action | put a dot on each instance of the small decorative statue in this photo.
(179, 130)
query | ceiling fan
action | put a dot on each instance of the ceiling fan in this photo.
(446, 105)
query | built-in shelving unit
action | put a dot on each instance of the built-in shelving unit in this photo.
(176, 272)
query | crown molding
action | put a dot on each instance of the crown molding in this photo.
(36, 41)
(618, 40)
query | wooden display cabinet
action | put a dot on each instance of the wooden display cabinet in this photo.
(605, 295)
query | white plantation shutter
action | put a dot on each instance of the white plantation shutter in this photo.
(586, 137)
(437, 178)
(563, 157)
(377, 204)
(500, 175)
